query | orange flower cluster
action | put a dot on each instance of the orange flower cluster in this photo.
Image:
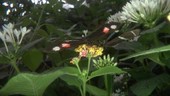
(92, 50)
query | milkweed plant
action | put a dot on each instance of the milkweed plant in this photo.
(92, 52)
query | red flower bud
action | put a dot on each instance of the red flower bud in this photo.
(106, 30)
(65, 45)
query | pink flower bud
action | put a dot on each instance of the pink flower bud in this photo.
(65, 45)
(83, 53)
(106, 30)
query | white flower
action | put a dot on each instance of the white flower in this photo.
(85, 33)
(56, 48)
(24, 31)
(2, 36)
(146, 12)
(9, 26)
(13, 36)
(68, 6)
(17, 34)
(113, 26)
(8, 39)
(118, 17)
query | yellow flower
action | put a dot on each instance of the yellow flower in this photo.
(168, 17)
(75, 60)
(93, 50)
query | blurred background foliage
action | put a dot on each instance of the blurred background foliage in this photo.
(57, 24)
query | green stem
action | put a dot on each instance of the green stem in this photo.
(108, 84)
(84, 88)
(85, 78)
(38, 23)
(13, 63)
(88, 67)
(81, 91)
(78, 68)
(6, 47)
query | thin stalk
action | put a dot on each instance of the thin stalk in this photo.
(78, 68)
(108, 84)
(88, 66)
(86, 77)
(14, 64)
(81, 91)
(6, 47)
(84, 88)
(38, 23)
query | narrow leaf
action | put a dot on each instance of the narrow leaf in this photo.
(151, 51)
(106, 70)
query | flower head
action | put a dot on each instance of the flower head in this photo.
(75, 60)
(146, 12)
(105, 61)
(13, 36)
(92, 50)
(118, 17)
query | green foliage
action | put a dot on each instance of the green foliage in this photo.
(140, 45)
(105, 61)
(146, 87)
(148, 52)
(106, 70)
(96, 91)
(29, 84)
(32, 59)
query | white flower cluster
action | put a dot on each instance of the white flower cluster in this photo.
(146, 12)
(11, 35)
(118, 17)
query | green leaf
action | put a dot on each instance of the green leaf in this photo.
(146, 87)
(42, 33)
(53, 30)
(72, 80)
(71, 76)
(32, 59)
(106, 70)
(155, 58)
(96, 91)
(151, 51)
(155, 29)
(3, 60)
(29, 84)
(72, 71)
(55, 58)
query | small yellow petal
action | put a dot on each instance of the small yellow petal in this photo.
(168, 17)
